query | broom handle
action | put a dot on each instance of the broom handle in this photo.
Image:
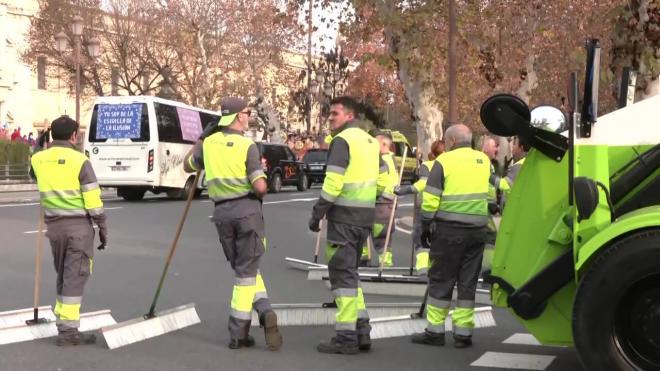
(390, 225)
(412, 240)
(37, 264)
(423, 306)
(191, 194)
(318, 241)
(369, 247)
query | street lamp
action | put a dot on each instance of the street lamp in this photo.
(61, 42)
(93, 49)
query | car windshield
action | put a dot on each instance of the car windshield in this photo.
(316, 156)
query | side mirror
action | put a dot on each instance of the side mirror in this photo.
(549, 118)
(507, 115)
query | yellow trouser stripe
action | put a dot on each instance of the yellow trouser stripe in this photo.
(69, 312)
(436, 315)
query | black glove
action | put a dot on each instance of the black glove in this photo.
(103, 236)
(427, 234)
(493, 208)
(403, 190)
(314, 225)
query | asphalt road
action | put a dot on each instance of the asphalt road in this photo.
(126, 275)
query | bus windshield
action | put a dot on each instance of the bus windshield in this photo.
(119, 121)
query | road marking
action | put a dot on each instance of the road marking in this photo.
(19, 205)
(286, 201)
(113, 208)
(514, 361)
(522, 339)
(402, 229)
(46, 230)
(291, 200)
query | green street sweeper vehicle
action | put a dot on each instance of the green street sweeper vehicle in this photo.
(577, 258)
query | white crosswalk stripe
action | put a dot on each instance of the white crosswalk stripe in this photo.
(522, 339)
(516, 361)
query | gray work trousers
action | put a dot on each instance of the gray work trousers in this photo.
(72, 245)
(243, 242)
(343, 253)
(456, 254)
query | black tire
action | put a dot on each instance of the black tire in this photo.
(302, 182)
(276, 183)
(130, 194)
(616, 314)
(182, 193)
(309, 183)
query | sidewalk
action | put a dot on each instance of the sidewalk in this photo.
(30, 194)
(17, 187)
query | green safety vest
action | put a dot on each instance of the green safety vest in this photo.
(388, 179)
(353, 190)
(57, 170)
(224, 163)
(463, 198)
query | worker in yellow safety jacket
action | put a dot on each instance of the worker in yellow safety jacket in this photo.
(236, 184)
(421, 252)
(387, 179)
(454, 219)
(71, 201)
(347, 201)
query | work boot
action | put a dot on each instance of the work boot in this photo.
(272, 333)
(241, 343)
(74, 338)
(364, 342)
(429, 338)
(462, 341)
(334, 346)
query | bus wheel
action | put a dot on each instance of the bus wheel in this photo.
(616, 314)
(131, 194)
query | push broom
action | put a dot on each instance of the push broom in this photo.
(155, 323)
(39, 322)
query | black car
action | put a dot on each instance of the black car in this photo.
(315, 162)
(281, 167)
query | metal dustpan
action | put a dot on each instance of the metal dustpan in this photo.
(323, 314)
(22, 332)
(406, 325)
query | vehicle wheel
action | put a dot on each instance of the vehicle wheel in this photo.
(302, 183)
(182, 193)
(616, 314)
(131, 194)
(309, 183)
(276, 183)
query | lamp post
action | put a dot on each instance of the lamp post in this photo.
(93, 49)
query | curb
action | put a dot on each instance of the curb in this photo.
(18, 187)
